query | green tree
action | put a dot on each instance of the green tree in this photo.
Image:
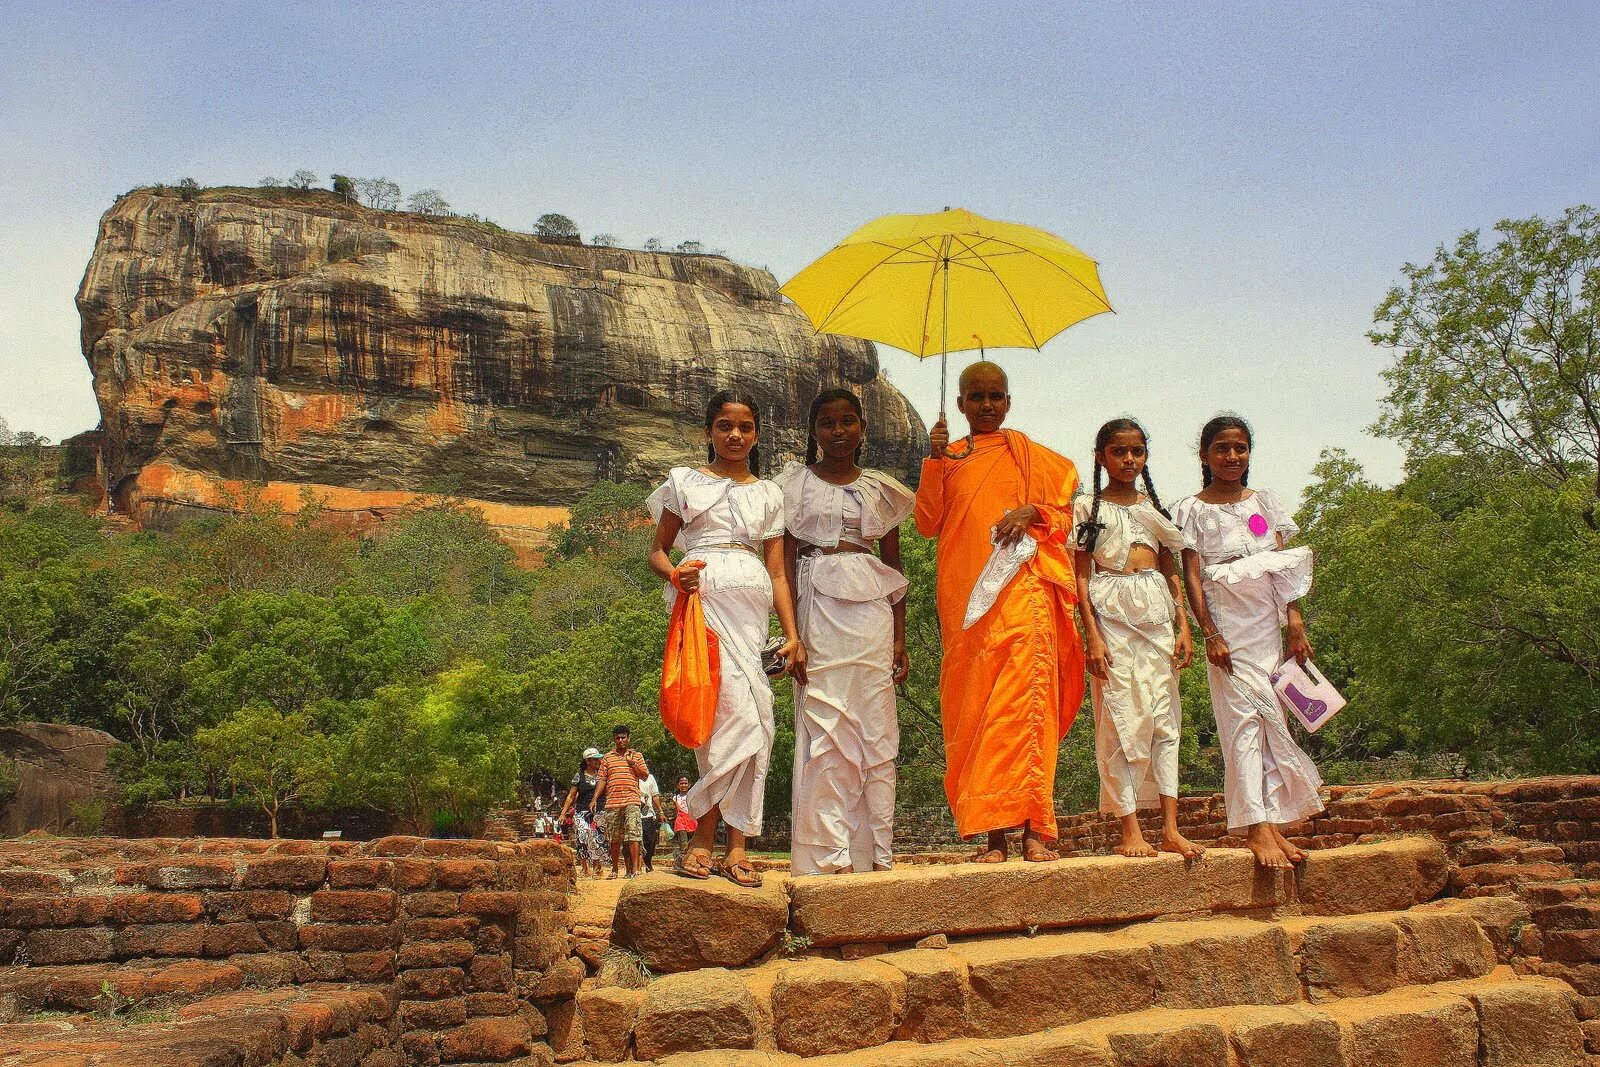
(1497, 351)
(554, 225)
(345, 186)
(270, 757)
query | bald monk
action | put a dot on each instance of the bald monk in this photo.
(1011, 684)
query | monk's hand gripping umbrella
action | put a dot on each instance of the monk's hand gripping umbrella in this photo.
(904, 280)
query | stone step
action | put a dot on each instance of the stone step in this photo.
(303, 1024)
(1010, 985)
(109, 987)
(676, 924)
(1500, 1020)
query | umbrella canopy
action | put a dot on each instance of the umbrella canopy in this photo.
(949, 282)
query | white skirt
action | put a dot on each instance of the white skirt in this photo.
(733, 761)
(1137, 712)
(1267, 777)
(846, 732)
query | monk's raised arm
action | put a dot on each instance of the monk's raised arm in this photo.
(929, 511)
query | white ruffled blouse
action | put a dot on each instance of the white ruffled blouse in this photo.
(1238, 542)
(817, 512)
(718, 512)
(1126, 525)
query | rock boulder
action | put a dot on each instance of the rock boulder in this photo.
(57, 767)
(678, 924)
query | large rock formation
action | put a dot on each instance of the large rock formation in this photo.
(57, 767)
(288, 339)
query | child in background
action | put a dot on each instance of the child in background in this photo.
(1127, 559)
(729, 523)
(852, 618)
(1245, 585)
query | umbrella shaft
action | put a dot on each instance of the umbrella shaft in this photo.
(944, 329)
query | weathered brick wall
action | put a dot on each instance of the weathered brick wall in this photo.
(469, 937)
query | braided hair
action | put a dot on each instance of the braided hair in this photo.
(1209, 433)
(1089, 530)
(718, 401)
(827, 396)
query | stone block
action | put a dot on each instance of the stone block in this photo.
(231, 939)
(678, 924)
(1354, 957)
(693, 1012)
(461, 874)
(249, 904)
(491, 902)
(1283, 1037)
(608, 1018)
(28, 913)
(1382, 876)
(369, 966)
(352, 906)
(359, 873)
(490, 974)
(283, 872)
(199, 874)
(433, 954)
(431, 983)
(160, 939)
(460, 927)
(1525, 1022)
(338, 937)
(1212, 964)
(936, 996)
(821, 1007)
(153, 907)
(1418, 1029)
(1440, 947)
(433, 1014)
(1019, 986)
(487, 1040)
(431, 905)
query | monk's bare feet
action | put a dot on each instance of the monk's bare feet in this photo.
(1295, 853)
(1133, 844)
(994, 851)
(1264, 843)
(1172, 841)
(1034, 850)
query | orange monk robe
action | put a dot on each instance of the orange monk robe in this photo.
(1010, 685)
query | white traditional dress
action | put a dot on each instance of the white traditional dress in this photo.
(1249, 582)
(846, 734)
(1137, 713)
(725, 524)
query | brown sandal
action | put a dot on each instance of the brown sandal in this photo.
(740, 873)
(689, 867)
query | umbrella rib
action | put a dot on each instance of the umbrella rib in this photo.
(927, 309)
(1057, 266)
(853, 287)
(1001, 282)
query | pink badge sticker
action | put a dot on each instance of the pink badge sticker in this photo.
(1258, 525)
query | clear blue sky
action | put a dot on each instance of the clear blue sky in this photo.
(1251, 177)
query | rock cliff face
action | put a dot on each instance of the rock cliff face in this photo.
(286, 338)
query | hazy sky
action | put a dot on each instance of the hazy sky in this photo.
(1251, 177)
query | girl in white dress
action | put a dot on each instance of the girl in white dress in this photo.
(852, 621)
(1127, 559)
(1245, 585)
(729, 524)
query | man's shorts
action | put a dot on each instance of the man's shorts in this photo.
(625, 824)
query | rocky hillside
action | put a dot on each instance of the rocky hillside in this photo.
(289, 338)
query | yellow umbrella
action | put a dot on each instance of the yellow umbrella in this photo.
(949, 282)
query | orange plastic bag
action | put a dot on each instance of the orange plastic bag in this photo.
(691, 673)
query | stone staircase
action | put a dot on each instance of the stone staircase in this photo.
(1354, 960)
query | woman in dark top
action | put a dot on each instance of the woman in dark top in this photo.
(587, 841)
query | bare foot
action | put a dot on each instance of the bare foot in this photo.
(1264, 844)
(1172, 841)
(990, 855)
(1035, 851)
(1133, 844)
(1295, 853)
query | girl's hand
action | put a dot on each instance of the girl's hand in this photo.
(794, 654)
(1099, 658)
(686, 576)
(1217, 653)
(1009, 530)
(902, 663)
(1299, 646)
(1183, 649)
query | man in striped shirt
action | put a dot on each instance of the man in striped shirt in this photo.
(617, 783)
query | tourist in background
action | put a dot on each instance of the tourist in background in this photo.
(585, 839)
(650, 813)
(851, 611)
(1245, 585)
(1128, 552)
(617, 786)
(682, 822)
(729, 524)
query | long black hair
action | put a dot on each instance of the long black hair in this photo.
(1089, 530)
(827, 396)
(718, 401)
(1209, 433)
